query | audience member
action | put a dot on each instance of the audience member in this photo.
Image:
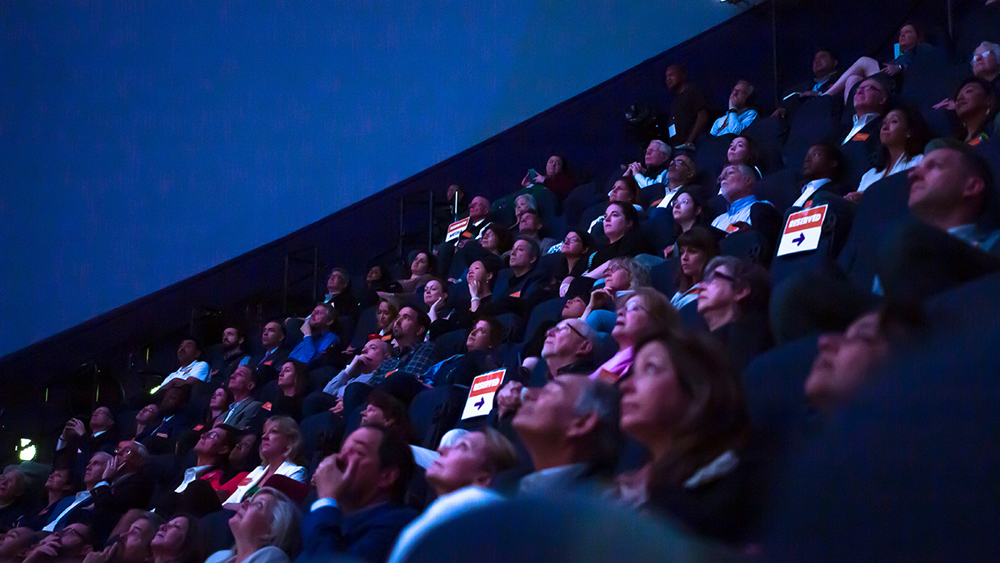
(75, 440)
(191, 369)
(178, 540)
(733, 302)
(338, 293)
(359, 511)
(697, 247)
(272, 341)
(821, 168)
(412, 355)
(266, 529)
(824, 74)
(740, 115)
(902, 137)
(976, 105)
(570, 429)
(319, 324)
(280, 448)
(132, 545)
(744, 150)
(60, 492)
(243, 410)
(13, 504)
(71, 544)
(556, 179)
(93, 475)
(233, 354)
(653, 169)
(146, 420)
(643, 308)
(744, 211)
(910, 37)
(684, 402)
(14, 544)
(689, 113)
(218, 404)
(124, 485)
(163, 438)
(460, 477)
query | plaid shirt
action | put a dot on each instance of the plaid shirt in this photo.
(415, 361)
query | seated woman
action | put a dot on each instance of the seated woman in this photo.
(621, 226)
(496, 240)
(421, 269)
(439, 308)
(744, 150)
(976, 106)
(217, 404)
(522, 203)
(685, 403)
(911, 35)
(688, 210)
(985, 65)
(697, 247)
(902, 137)
(639, 311)
(625, 190)
(292, 381)
(576, 247)
(280, 446)
(733, 303)
(622, 276)
(178, 540)
(378, 280)
(243, 459)
(557, 178)
(266, 528)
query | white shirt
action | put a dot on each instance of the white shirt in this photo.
(196, 369)
(859, 124)
(901, 165)
(809, 189)
(287, 468)
(190, 474)
(82, 496)
(644, 180)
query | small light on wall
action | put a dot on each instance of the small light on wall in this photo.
(26, 452)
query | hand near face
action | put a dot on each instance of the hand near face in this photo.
(599, 298)
(509, 398)
(74, 427)
(330, 479)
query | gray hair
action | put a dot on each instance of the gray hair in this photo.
(638, 273)
(746, 171)
(663, 147)
(530, 199)
(604, 401)
(991, 47)
(285, 527)
(749, 85)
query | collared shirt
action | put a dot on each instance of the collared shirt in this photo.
(564, 478)
(733, 122)
(267, 356)
(311, 347)
(81, 497)
(233, 406)
(739, 211)
(644, 180)
(859, 124)
(669, 196)
(901, 165)
(809, 189)
(415, 361)
(60, 443)
(190, 474)
(196, 369)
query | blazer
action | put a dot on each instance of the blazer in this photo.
(242, 415)
(368, 534)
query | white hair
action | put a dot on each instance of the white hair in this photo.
(661, 146)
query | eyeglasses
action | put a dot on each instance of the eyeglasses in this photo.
(635, 306)
(65, 531)
(869, 87)
(567, 326)
(716, 274)
(212, 435)
(612, 268)
(978, 57)
(127, 450)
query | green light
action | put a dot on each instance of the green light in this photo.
(27, 450)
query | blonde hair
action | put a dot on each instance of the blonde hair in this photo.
(287, 426)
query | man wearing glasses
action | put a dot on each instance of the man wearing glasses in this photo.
(72, 543)
(124, 486)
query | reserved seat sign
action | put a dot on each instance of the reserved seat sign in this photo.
(456, 229)
(802, 231)
(484, 388)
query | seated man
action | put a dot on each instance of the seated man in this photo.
(191, 369)
(529, 224)
(195, 492)
(680, 173)
(821, 168)
(71, 544)
(233, 354)
(824, 74)
(359, 511)
(654, 167)
(859, 141)
(745, 211)
(162, 439)
(272, 340)
(319, 338)
(76, 440)
(740, 115)
(517, 288)
(361, 369)
(338, 293)
(124, 486)
(243, 410)
(460, 477)
(570, 429)
(83, 500)
(402, 374)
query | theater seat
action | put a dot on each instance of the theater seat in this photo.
(814, 122)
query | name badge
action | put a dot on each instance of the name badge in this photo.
(860, 137)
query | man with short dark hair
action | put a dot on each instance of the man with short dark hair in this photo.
(401, 375)
(517, 288)
(949, 190)
(76, 440)
(359, 511)
(824, 74)
(319, 338)
(191, 369)
(272, 340)
(233, 354)
(243, 408)
(821, 166)
(689, 113)
(72, 543)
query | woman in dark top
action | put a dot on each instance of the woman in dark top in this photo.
(556, 179)
(576, 248)
(621, 225)
(685, 403)
(292, 381)
(378, 279)
(911, 42)
(976, 106)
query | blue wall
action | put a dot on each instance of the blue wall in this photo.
(143, 143)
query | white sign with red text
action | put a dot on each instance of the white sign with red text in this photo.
(802, 231)
(484, 388)
(456, 229)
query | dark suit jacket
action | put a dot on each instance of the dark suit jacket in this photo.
(368, 535)
(859, 153)
(164, 436)
(112, 501)
(273, 362)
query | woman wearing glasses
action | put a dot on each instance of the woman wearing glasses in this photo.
(642, 309)
(733, 303)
